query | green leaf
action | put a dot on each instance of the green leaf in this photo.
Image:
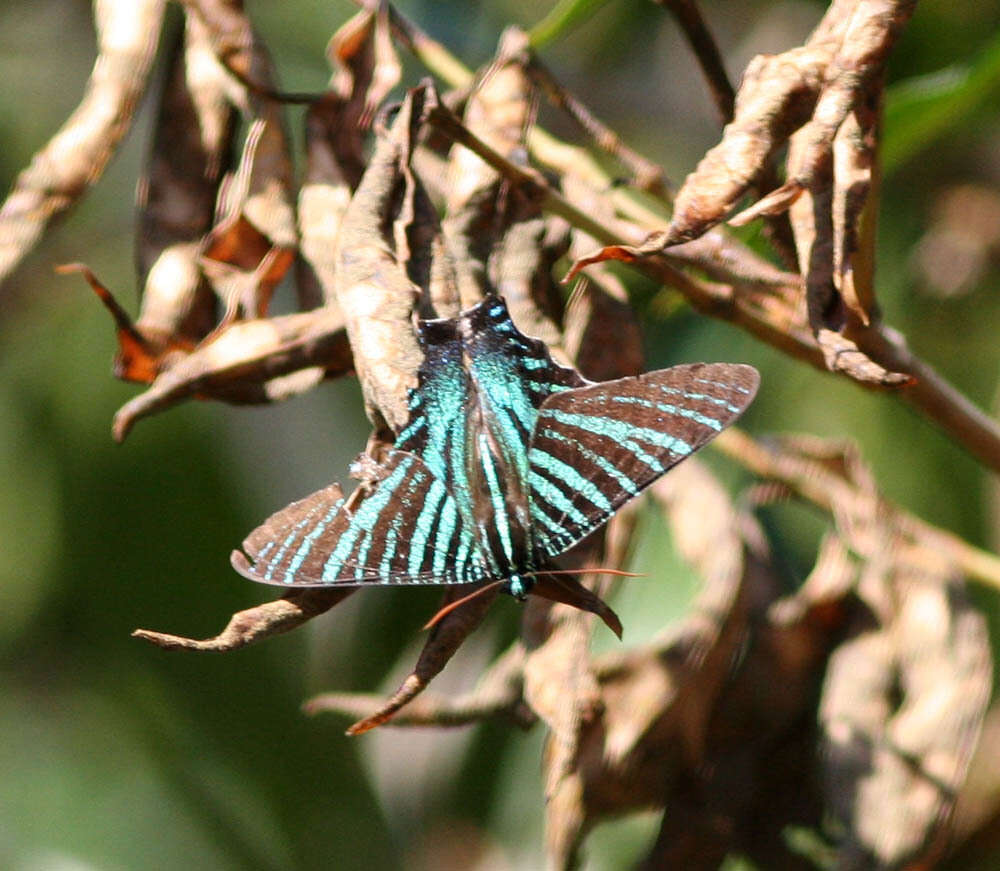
(562, 17)
(922, 109)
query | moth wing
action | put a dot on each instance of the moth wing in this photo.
(596, 447)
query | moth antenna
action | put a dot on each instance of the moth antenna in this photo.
(447, 609)
(618, 573)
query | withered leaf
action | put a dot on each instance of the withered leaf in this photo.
(75, 157)
(176, 196)
(373, 288)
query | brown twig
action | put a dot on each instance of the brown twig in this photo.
(648, 176)
(262, 621)
(816, 483)
(497, 694)
(706, 50)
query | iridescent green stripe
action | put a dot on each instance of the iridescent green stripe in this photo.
(423, 526)
(723, 385)
(445, 532)
(307, 543)
(690, 414)
(496, 498)
(702, 397)
(609, 468)
(545, 490)
(364, 518)
(624, 434)
(574, 480)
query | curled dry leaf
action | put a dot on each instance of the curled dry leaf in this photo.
(906, 692)
(365, 70)
(74, 159)
(480, 202)
(854, 160)
(367, 67)
(873, 26)
(255, 361)
(250, 248)
(265, 190)
(252, 361)
(828, 91)
(254, 624)
(902, 705)
(325, 193)
(498, 693)
(259, 361)
(176, 196)
(446, 637)
(374, 290)
(141, 356)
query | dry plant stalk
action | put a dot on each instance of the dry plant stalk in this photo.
(877, 658)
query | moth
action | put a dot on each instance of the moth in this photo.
(507, 461)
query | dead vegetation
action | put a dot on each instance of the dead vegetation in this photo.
(850, 706)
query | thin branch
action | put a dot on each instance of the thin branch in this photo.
(706, 50)
(649, 176)
(497, 694)
(262, 621)
(816, 483)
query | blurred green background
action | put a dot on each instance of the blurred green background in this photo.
(117, 755)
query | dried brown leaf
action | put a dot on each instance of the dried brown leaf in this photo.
(176, 195)
(365, 63)
(776, 97)
(854, 159)
(253, 361)
(872, 30)
(497, 694)
(374, 290)
(75, 157)
(141, 356)
(902, 706)
(249, 250)
(254, 624)
(446, 637)
(480, 204)
(332, 173)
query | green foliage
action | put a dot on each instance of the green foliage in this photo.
(921, 110)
